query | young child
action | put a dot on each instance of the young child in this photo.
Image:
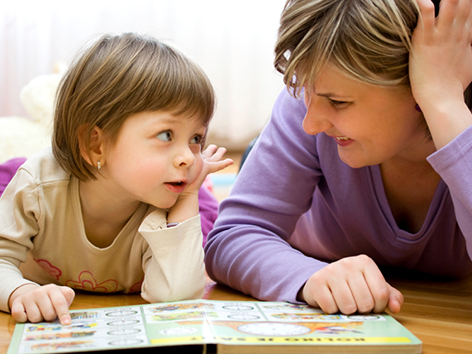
(113, 206)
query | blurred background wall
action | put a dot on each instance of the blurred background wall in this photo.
(231, 40)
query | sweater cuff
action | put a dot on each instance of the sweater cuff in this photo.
(157, 232)
(9, 285)
(448, 156)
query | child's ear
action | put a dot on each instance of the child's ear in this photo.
(95, 151)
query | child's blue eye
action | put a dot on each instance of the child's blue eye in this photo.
(197, 139)
(165, 136)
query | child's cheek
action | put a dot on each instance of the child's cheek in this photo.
(196, 168)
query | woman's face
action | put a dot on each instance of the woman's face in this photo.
(370, 124)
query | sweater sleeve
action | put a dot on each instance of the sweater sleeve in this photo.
(173, 264)
(454, 164)
(19, 214)
(249, 247)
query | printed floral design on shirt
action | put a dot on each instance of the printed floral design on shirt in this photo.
(136, 288)
(87, 282)
(49, 268)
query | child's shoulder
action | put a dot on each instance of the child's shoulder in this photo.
(43, 167)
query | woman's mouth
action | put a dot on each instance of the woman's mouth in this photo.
(343, 140)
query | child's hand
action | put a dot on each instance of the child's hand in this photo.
(352, 284)
(187, 202)
(36, 303)
(212, 162)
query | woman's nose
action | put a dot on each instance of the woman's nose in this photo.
(316, 119)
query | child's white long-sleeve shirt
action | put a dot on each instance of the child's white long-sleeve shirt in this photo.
(42, 240)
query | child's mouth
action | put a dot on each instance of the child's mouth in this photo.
(177, 186)
(179, 183)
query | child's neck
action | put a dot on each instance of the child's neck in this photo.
(104, 214)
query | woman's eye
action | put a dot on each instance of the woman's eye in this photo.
(197, 139)
(165, 136)
(338, 104)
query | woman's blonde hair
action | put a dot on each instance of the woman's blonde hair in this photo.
(119, 76)
(369, 40)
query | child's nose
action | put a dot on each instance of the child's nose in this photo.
(184, 157)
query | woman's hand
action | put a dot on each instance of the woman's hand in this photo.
(36, 303)
(352, 284)
(440, 66)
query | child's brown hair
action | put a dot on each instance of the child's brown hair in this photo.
(119, 76)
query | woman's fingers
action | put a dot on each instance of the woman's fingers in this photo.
(353, 284)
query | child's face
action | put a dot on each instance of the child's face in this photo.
(155, 156)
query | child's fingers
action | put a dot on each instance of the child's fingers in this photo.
(45, 303)
(218, 166)
(213, 153)
(218, 155)
(209, 151)
(69, 294)
(18, 312)
(39, 303)
(32, 310)
(46, 307)
(61, 298)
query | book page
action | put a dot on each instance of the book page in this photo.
(200, 322)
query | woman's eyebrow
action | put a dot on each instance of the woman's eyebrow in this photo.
(330, 94)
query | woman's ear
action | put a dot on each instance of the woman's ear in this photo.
(94, 151)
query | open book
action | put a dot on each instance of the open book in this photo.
(221, 326)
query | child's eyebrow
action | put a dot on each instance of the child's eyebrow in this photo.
(170, 118)
(165, 120)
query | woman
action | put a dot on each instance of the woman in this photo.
(364, 163)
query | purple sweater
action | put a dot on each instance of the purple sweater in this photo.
(296, 206)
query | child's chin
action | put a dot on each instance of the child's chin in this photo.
(163, 204)
(167, 205)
